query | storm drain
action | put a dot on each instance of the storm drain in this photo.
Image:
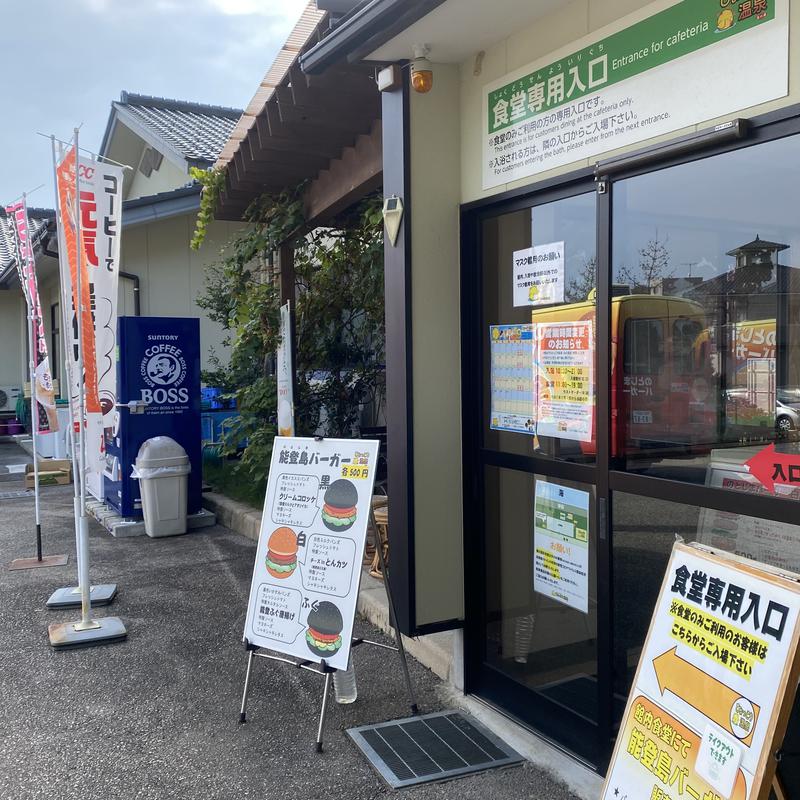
(434, 747)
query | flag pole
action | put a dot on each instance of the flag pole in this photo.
(34, 403)
(86, 623)
(70, 596)
(24, 256)
(87, 631)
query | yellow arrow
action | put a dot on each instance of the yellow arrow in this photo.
(712, 698)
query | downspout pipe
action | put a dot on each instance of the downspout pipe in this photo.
(137, 308)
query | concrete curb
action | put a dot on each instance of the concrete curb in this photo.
(239, 517)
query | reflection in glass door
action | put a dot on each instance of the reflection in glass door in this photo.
(535, 647)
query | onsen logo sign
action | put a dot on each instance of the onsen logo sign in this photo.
(164, 369)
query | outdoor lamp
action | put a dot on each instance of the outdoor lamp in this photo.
(421, 70)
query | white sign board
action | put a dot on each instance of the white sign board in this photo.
(539, 275)
(308, 562)
(692, 61)
(715, 677)
(285, 375)
(561, 544)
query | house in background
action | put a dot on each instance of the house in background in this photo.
(160, 275)
(13, 327)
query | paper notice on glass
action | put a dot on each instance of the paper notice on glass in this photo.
(564, 366)
(512, 403)
(561, 544)
(539, 275)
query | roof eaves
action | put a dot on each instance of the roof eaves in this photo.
(368, 26)
(301, 34)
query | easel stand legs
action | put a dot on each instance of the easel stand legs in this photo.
(243, 709)
(324, 669)
(324, 709)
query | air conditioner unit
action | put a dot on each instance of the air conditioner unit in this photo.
(8, 397)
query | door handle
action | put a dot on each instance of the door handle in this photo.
(134, 406)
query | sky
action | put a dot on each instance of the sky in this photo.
(67, 60)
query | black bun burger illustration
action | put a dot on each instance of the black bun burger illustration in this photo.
(324, 634)
(339, 511)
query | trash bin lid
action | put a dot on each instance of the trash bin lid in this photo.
(161, 451)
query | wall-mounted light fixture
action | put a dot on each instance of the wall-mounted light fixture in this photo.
(421, 70)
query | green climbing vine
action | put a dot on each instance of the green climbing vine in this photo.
(212, 180)
(339, 321)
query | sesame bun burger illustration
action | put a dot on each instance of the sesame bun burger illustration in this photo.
(282, 553)
(324, 633)
(339, 511)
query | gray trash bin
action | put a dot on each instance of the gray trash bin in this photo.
(162, 469)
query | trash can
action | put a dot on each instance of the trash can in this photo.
(162, 469)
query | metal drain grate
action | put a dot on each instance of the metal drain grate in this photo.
(429, 748)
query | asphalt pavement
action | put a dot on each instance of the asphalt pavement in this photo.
(156, 716)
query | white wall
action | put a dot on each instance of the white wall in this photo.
(166, 178)
(171, 273)
(570, 22)
(12, 341)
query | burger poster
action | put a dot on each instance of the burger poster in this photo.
(308, 563)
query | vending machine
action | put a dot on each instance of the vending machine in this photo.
(158, 394)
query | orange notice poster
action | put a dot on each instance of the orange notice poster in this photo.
(65, 176)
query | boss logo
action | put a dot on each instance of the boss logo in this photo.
(163, 369)
(163, 396)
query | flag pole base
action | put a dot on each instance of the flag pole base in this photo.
(34, 563)
(70, 596)
(66, 635)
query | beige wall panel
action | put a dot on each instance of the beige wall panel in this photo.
(436, 359)
(568, 23)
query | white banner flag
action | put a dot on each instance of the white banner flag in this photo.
(101, 231)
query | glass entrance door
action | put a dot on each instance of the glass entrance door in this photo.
(631, 362)
(533, 646)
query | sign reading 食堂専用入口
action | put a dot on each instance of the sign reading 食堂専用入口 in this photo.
(308, 562)
(715, 683)
(692, 61)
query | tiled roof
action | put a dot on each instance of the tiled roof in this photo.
(37, 217)
(195, 130)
